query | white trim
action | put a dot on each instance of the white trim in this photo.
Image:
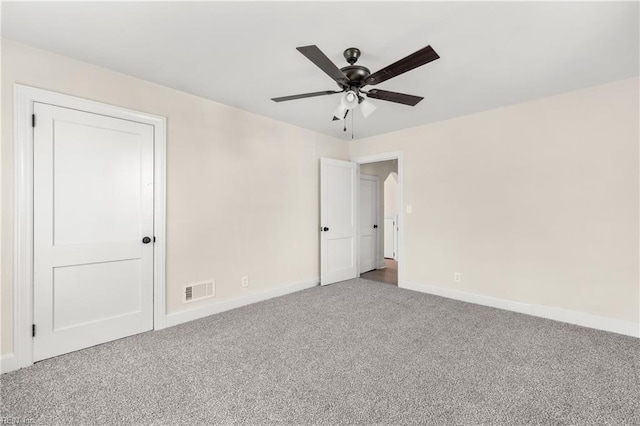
(8, 363)
(180, 317)
(22, 227)
(384, 156)
(583, 319)
(159, 222)
(24, 98)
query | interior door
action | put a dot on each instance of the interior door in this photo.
(389, 238)
(93, 205)
(338, 220)
(395, 237)
(369, 186)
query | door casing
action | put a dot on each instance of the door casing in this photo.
(24, 99)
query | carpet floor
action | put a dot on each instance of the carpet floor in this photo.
(358, 352)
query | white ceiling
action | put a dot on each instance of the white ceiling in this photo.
(242, 54)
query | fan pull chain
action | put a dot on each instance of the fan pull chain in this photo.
(352, 125)
(345, 120)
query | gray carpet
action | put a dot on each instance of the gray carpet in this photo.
(358, 352)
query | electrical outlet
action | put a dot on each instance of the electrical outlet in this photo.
(457, 277)
(245, 281)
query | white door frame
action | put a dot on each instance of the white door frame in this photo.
(24, 98)
(384, 156)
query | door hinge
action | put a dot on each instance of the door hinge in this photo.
(33, 330)
(154, 239)
(33, 120)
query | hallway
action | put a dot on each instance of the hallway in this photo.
(387, 275)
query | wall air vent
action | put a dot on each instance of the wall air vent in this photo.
(199, 291)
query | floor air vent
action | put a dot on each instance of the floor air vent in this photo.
(193, 292)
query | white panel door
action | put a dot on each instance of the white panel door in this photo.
(338, 220)
(395, 237)
(93, 204)
(389, 238)
(368, 222)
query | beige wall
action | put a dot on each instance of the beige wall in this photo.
(391, 196)
(242, 190)
(380, 168)
(537, 202)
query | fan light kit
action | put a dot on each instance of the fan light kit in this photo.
(352, 78)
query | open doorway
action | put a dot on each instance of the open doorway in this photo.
(378, 209)
(341, 228)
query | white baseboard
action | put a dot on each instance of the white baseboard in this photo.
(180, 317)
(628, 328)
(8, 362)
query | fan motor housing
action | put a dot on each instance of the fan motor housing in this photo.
(356, 74)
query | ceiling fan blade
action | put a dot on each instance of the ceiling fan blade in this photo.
(400, 98)
(315, 55)
(415, 60)
(305, 95)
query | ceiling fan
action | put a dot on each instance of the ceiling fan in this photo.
(352, 78)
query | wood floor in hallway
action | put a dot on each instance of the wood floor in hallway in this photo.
(387, 275)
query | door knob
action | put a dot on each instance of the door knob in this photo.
(146, 240)
(375, 226)
(325, 229)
